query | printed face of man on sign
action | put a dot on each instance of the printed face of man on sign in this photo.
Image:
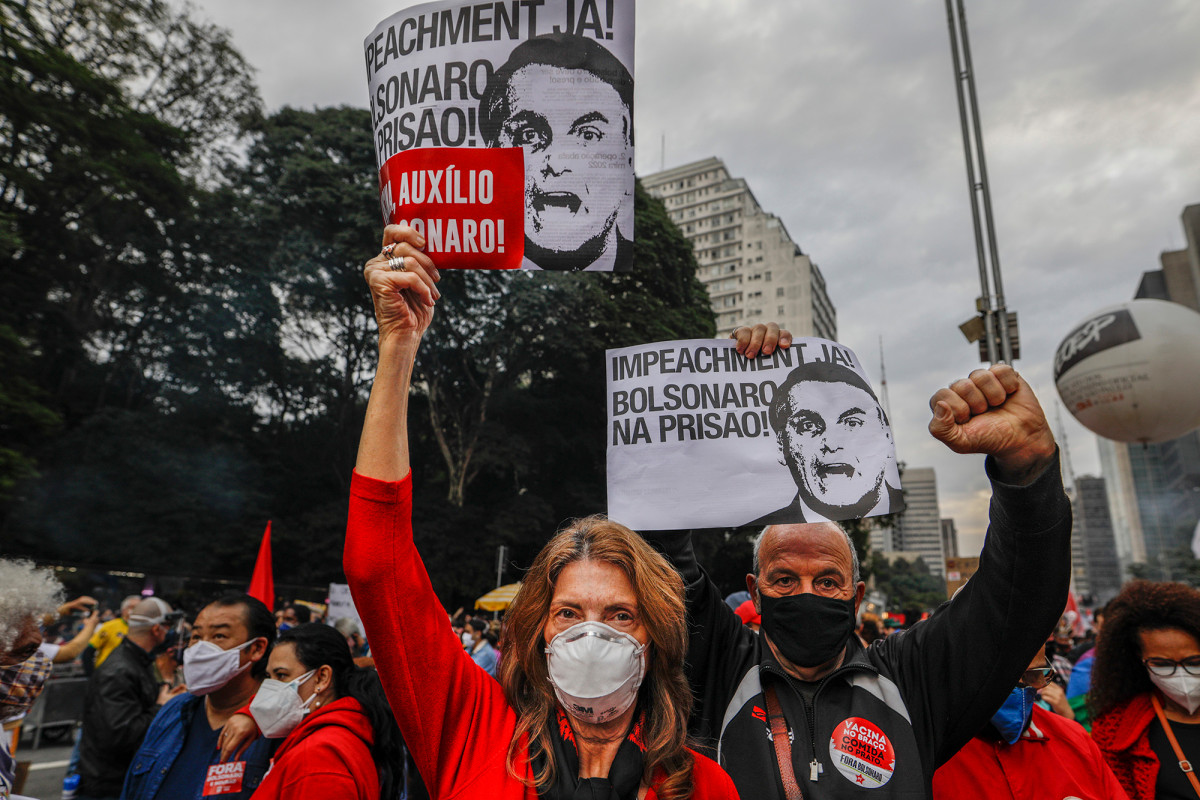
(568, 103)
(834, 438)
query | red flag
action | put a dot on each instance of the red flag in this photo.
(262, 582)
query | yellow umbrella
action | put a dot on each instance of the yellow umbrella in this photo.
(499, 598)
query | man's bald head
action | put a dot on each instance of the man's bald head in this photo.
(776, 537)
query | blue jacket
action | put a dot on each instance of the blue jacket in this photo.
(486, 658)
(165, 740)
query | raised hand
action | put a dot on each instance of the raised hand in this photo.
(403, 299)
(761, 338)
(994, 411)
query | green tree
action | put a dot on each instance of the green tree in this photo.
(108, 108)
(24, 417)
(1176, 564)
(908, 585)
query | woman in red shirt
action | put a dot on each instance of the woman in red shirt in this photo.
(591, 698)
(341, 740)
(1145, 695)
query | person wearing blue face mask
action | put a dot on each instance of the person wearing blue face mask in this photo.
(1027, 752)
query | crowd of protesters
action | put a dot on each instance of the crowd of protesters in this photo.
(619, 672)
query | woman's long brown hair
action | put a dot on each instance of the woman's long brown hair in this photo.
(664, 697)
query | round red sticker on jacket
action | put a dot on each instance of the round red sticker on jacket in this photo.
(862, 753)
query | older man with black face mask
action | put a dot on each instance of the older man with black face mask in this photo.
(26, 594)
(803, 709)
(122, 698)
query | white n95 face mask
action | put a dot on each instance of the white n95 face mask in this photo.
(206, 667)
(277, 708)
(595, 670)
(1182, 687)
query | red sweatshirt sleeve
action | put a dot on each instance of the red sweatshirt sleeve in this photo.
(452, 714)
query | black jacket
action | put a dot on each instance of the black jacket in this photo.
(884, 721)
(120, 704)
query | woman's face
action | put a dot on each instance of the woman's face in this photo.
(284, 666)
(594, 591)
(1171, 643)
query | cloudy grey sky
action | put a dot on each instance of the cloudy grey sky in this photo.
(842, 117)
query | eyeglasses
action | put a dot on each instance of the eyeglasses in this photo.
(1038, 677)
(1165, 667)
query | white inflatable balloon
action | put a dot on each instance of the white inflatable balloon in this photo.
(1131, 372)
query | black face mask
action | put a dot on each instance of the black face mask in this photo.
(807, 629)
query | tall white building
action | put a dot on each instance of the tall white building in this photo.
(918, 530)
(753, 270)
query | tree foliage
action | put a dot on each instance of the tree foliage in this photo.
(1177, 564)
(195, 343)
(908, 585)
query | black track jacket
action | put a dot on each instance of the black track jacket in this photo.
(883, 722)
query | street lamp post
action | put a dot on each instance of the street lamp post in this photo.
(994, 316)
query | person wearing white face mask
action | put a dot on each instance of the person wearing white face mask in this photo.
(1145, 695)
(339, 737)
(591, 699)
(223, 667)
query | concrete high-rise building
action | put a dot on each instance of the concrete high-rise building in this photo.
(753, 270)
(918, 530)
(1122, 503)
(949, 538)
(1093, 526)
(1079, 573)
(1154, 490)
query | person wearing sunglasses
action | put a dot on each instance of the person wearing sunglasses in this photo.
(1027, 751)
(1145, 696)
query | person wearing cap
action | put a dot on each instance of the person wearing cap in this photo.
(749, 615)
(122, 698)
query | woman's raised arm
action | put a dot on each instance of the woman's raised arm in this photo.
(404, 301)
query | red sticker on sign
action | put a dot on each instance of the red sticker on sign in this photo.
(862, 753)
(224, 778)
(468, 203)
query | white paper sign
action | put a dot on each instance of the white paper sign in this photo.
(701, 437)
(341, 604)
(547, 87)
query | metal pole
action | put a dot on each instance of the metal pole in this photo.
(989, 320)
(1001, 312)
(500, 565)
(499, 573)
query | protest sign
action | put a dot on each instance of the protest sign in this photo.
(341, 604)
(503, 131)
(702, 437)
